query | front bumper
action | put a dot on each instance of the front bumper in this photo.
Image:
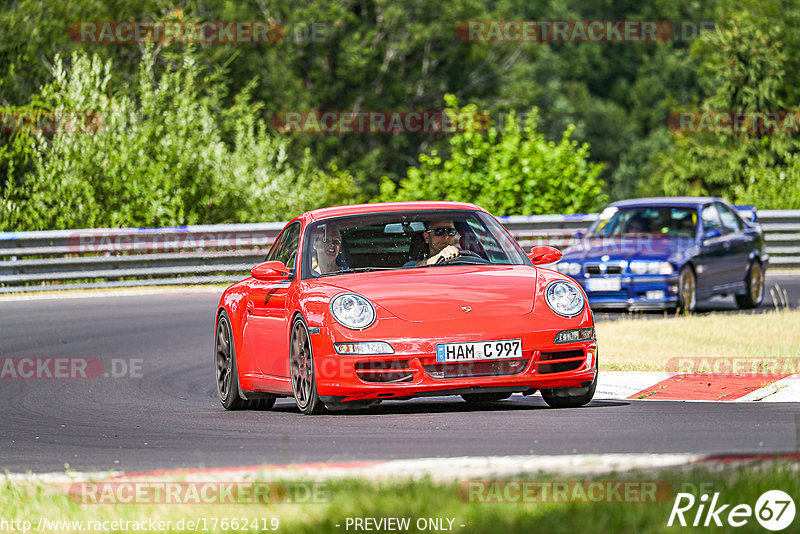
(412, 371)
(646, 292)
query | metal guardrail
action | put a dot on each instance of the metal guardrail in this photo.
(77, 259)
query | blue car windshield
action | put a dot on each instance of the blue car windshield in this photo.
(663, 221)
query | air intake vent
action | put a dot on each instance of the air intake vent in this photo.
(390, 371)
(562, 361)
(470, 369)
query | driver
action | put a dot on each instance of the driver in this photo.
(440, 237)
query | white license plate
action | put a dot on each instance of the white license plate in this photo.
(603, 284)
(479, 351)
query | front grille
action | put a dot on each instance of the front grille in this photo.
(610, 269)
(474, 369)
(562, 360)
(384, 371)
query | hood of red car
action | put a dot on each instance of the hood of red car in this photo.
(446, 292)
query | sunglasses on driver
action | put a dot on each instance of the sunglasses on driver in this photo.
(443, 230)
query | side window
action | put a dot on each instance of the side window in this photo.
(729, 219)
(285, 247)
(710, 219)
(277, 246)
(288, 253)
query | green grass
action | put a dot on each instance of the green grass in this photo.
(647, 345)
(339, 500)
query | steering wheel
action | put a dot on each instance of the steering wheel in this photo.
(466, 257)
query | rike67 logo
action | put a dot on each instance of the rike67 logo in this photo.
(774, 510)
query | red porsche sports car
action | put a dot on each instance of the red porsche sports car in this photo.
(358, 304)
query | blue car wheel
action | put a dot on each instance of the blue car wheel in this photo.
(687, 289)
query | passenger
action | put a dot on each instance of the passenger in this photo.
(327, 247)
(440, 237)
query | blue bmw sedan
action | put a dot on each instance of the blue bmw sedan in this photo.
(669, 253)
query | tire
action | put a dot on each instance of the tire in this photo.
(301, 361)
(569, 397)
(754, 282)
(227, 373)
(485, 397)
(687, 290)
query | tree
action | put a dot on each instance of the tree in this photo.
(157, 158)
(743, 68)
(516, 172)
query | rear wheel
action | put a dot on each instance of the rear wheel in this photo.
(687, 290)
(754, 287)
(227, 372)
(485, 397)
(569, 397)
(301, 359)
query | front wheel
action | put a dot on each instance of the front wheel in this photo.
(754, 286)
(570, 397)
(301, 360)
(687, 290)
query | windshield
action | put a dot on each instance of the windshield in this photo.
(651, 220)
(402, 239)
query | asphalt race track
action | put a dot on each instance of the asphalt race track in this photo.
(166, 415)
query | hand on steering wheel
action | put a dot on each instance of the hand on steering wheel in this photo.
(461, 255)
(446, 254)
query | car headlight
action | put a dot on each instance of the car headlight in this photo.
(568, 267)
(564, 298)
(352, 311)
(650, 267)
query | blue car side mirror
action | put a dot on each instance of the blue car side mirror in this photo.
(712, 233)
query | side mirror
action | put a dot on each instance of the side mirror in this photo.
(712, 233)
(270, 270)
(544, 255)
(579, 235)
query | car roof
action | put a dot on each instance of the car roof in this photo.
(666, 201)
(386, 207)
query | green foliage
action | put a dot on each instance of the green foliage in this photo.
(380, 55)
(743, 67)
(160, 157)
(516, 172)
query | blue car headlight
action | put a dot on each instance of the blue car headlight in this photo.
(564, 298)
(568, 267)
(352, 310)
(650, 267)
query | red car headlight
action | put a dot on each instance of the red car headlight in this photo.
(352, 311)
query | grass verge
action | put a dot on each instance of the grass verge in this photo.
(433, 506)
(647, 345)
